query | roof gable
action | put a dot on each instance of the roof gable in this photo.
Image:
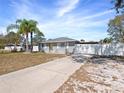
(61, 39)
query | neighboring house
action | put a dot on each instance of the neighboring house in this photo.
(60, 45)
(11, 47)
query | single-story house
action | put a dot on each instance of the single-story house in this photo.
(60, 45)
(12, 47)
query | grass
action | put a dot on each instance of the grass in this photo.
(16, 61)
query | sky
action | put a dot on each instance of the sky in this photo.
(77, 19)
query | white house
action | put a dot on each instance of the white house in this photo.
(60, 45)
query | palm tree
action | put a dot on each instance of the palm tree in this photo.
(33, 29)
(25, 27)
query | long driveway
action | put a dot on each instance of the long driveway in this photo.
(44, 78)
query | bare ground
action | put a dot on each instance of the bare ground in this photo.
(16, 61)
(98, 75)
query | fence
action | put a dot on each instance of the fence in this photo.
(101, 49)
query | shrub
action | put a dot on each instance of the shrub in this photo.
(2, 46)
(2, 51)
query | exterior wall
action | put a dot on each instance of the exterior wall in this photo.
(101, 49)
(58, 49)
(35, 49)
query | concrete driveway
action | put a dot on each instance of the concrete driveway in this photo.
(44, 78)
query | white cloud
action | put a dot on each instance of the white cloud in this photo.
(86, 31)
(24, 9)
(67, 6)
(78, 26)
(71, 25)
(98, 14)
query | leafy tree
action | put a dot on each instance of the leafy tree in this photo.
(2, 42)
(38, 37)
(119, 5)
(13, 38)
(9, 38)
(11, 34)
(116, 29)
(12, 27)
(107, 40)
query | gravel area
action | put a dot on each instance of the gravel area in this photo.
(97, 75)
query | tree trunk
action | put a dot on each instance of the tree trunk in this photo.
(31, 41)
(27, 42)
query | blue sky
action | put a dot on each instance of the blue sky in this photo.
(78, 19)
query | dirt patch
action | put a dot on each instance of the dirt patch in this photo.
(79, 76)
(16, 61)
(100, 75)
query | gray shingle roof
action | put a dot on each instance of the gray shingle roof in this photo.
(61, 39)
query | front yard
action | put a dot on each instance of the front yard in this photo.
(16, 61)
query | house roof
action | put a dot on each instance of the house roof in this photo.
(61, 39)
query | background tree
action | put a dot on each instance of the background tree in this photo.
(119, 5)
(107, 40)
(12, 27)
(116, 29)
(12, 38)
(9, 38)
(34, 29)
(2, 41)
(38, 37)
